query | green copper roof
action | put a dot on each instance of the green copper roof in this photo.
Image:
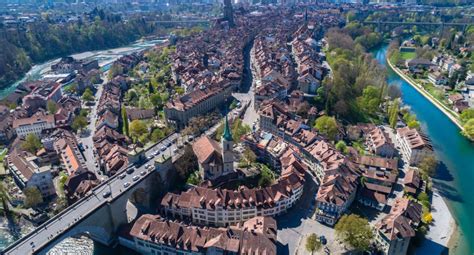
(227, 135)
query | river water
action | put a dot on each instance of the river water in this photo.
(455, 176)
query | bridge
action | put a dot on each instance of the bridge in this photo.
(98, 215)
(442, 25)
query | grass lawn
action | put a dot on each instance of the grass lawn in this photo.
(408, 55)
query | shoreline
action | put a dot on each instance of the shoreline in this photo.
(430, 98)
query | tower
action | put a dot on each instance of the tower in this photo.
(227, 149)
(229, 12)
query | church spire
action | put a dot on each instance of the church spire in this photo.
(227, 135)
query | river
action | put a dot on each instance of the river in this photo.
(455, 176)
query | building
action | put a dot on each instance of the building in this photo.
(380, 175)
(414, 145)
(221, 207)
(34, 124)
(28, 171)
(335, 194)
(154, 235)
(200, 101)
(413, 183)
(396, 229)
(215, 160)
(378, 142)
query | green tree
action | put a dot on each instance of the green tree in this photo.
(137, 130)
(52, 107)
(32, 143)
(125, 121)
(79, 123)
(370, 100)
(393, 113)
(88, 95)
(115, 70)
(466, 115)
(327, 125)
(5, 197)
(33, 197)
(157, 135)
(248, 158)
(342, 147)
(428, 165)
(194, 178)
(469, 129)
(155, 99)
(312, 243)
(354, 231)
(266, 176)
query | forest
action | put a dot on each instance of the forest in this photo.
(40, 41)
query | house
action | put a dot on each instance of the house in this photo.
(379, 143)
(414, 145)
(454, 98)
(215, 160)
(379, 177)
(413, 183)
(77, 186)
(308, 83)
(27, 172)
(437, 78)
(152, 234)
(139, 114)
(395, 230)
(417, 64)
(34, 124)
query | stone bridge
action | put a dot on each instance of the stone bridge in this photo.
(98, 215)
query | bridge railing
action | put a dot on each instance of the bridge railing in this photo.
(75, 204)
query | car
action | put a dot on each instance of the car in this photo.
(175, 150)
(163, 148)
(123, 175)
(106, 194)
(135, 178)
(130, 170)
(147, 165)
(168, 144)
(126, 184)
(142, 173)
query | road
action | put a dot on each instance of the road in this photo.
(73, 214)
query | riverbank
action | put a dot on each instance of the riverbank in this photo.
(440, 235)
(448, 112)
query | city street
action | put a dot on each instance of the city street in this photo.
(86, 138)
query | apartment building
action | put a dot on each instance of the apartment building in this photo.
(34, 124)
(154, 235)
(379, 143)
(414, 144)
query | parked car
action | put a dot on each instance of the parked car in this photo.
(135, 178)
(126, 184)
(130, 170)
(123, 175)
(142, 173)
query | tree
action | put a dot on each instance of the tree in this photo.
(393, 113)
(137, 130)
(157, 135)
(125, 121)
(248, 158)
(466, 115)
(327, 125)
(5, 197)
(194, 178)
(155, 99)
(341, 146)
(52, 107)
(88, 95)
(370, 100)
(187, 164)
(79, 123)
(469, 129)
(312, 243)
(33, 197)
(427, 218)
(428, 165)
(266, 176)
(355, 232)
(115, 70)
(31, 144)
